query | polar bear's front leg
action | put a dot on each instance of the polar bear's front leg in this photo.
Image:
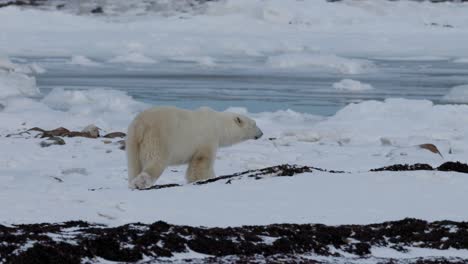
(201, 165)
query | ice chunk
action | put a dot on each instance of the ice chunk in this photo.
(6, 65)
(133, 57)
(17, 84)
(15, 81)
(202, 60)
(458, 94)
(91, 101)
(82, 60)
(352, 85)
(370, 121)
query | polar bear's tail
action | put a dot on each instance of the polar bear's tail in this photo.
(132, 146)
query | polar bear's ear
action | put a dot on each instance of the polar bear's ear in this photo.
(239, 121)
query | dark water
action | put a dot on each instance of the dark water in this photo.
(255, 87)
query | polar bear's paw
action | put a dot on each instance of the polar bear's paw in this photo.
(142, 181)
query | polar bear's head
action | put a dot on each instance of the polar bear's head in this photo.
(238, 128)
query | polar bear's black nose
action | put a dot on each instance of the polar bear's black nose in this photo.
(259, 134)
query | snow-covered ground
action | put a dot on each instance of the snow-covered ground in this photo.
(86, 179)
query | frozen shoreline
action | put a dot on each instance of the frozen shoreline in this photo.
(345, 40)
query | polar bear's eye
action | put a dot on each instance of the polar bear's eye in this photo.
(238, 121)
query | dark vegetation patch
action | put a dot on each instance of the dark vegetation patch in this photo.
(431, 1)
(279, 171)
(447, 166)
(284, 170)
(98, 9)
(22, 3)
(78, 241)
(90, 7)
(287, 170)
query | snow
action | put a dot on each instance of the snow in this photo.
(330, 199)
(29, 244)
(458, 94)
(352, 85)
(190, 254)
(15, 81)
(255, 28)
(416, 121)
(414, 252)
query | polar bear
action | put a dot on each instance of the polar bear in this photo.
(164, 136)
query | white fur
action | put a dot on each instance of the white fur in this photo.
(164, 136)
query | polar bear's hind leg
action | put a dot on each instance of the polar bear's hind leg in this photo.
(153, 162)
(150, 174)
(132, 147)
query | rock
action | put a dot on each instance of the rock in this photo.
(80, 134)
(107, 141)
(115, 135)
(36, 129)
(88, 132)
(52, 141)
(81, 171)
(97, 10)
(56, 178)
(431, 147)
(121, 143)
(454, 166)
(447, 166)
(58, 132)
(23, 134)
(386, 141)
(92, 130)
